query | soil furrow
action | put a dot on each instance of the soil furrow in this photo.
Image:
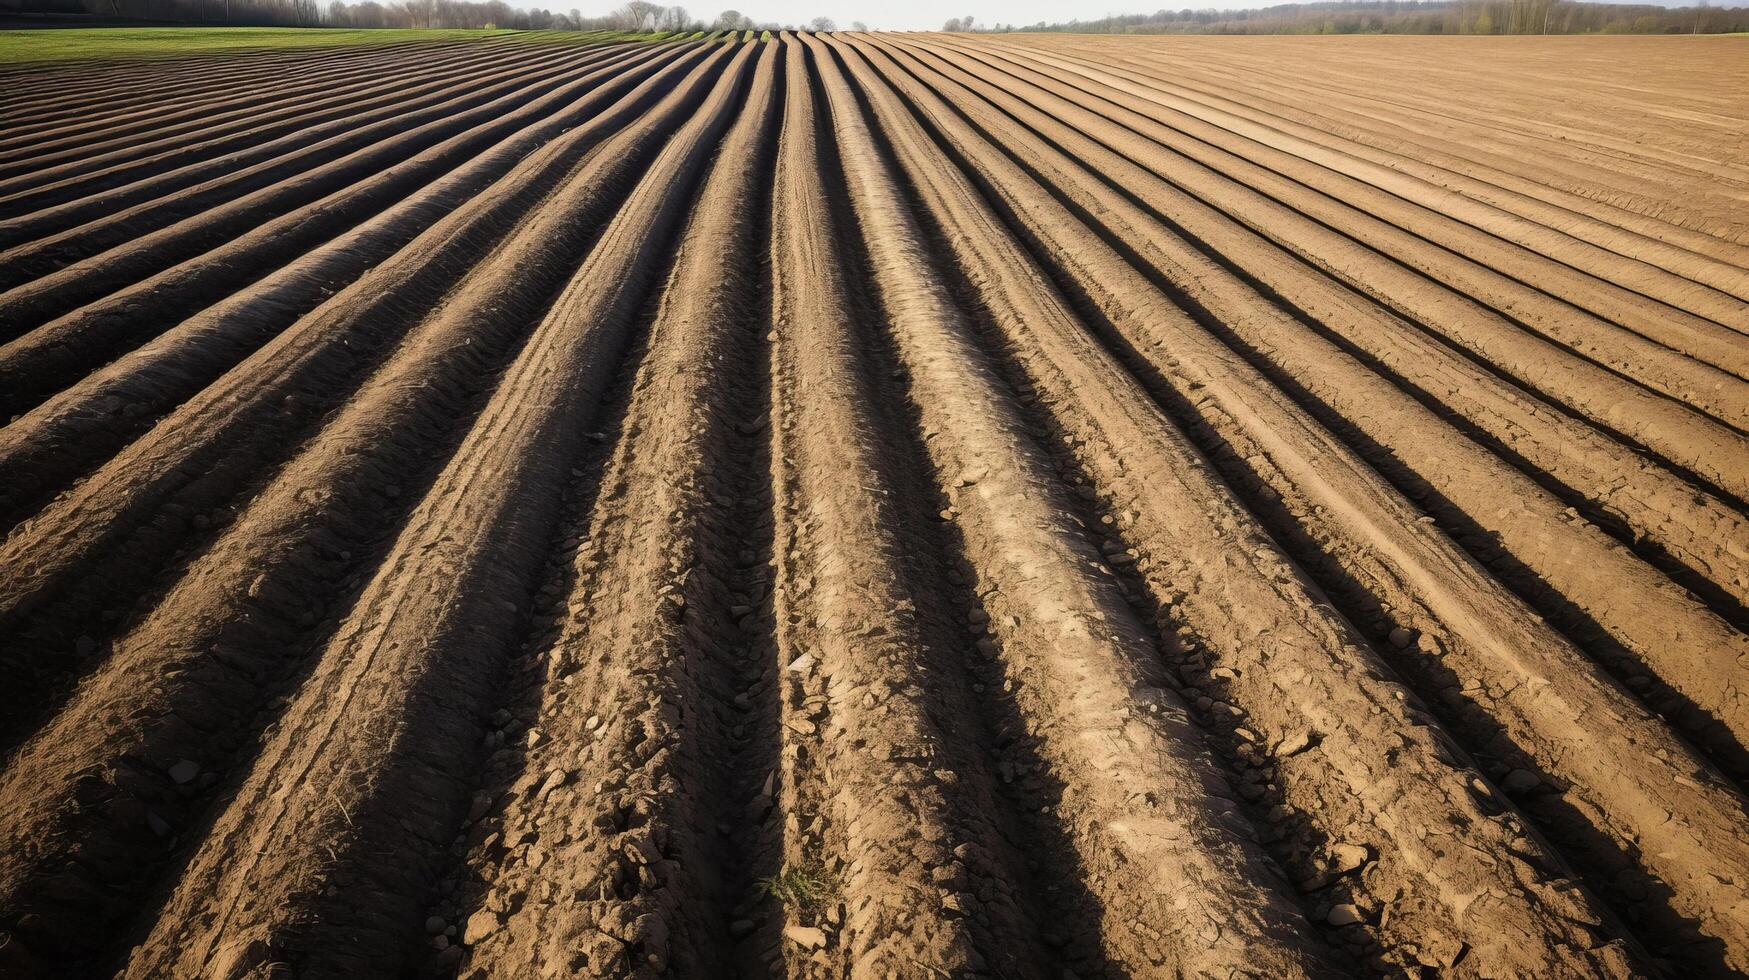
(1195, 561)
(88, 155)
(1589, 711)
(74, 93)
(612, 860)
(1236, 174)
(1576, 183)
(1073, 640)
(1432, 449)
(817, 504)
(50, 284)
(193, 455)
(347, 232)
(1703, 532)
(427, 636)
(1640, 276)
(76, 203)
(1503, 412)
(421, 245)
(188, 678)
(88, 133)
(1615, 236)
(1322, 193)
(894, 812)
(95, 134)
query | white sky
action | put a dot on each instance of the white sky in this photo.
(911, 15)
(928, 15)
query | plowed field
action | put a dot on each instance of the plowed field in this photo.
(877, 505)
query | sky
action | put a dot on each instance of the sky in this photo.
(923, 15)
(928, 15)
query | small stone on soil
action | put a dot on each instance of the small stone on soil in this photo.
(1345, 915)
(554, 780)
(480, 925)
(806, 937)
(1294, 744)
(1347, 857)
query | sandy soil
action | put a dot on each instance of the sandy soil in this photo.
(878, 505)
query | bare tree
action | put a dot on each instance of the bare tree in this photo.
(637, 15)
(822, 24)
(733, 20)
(857, 25)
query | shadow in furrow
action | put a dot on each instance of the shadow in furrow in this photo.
(1588, 635)
(1053, 890)
(197, 496)
(1599, 862)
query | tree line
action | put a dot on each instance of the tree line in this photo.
(1414, 17)
(638, 16)
(1351, 17)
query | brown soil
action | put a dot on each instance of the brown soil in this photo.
(878, 505)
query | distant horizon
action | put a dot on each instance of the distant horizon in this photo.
(916, 15)
(911, 15)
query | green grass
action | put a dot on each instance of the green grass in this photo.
(808, 888)
(104, 43)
